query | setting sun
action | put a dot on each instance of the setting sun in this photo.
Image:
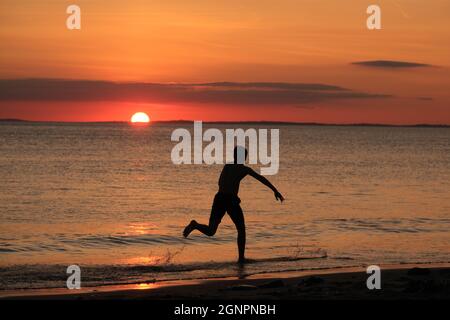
(140, 117)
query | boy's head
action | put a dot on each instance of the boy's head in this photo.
(240, 155)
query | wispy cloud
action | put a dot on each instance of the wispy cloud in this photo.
(391, 64)
(248, 93)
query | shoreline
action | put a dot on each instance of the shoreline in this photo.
(407, 281)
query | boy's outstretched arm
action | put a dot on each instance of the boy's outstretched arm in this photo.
(263, 180)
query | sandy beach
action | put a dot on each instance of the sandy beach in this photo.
(398, 282)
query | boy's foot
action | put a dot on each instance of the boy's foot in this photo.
(243, 260)
(189, 228)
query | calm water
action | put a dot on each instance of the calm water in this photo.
(108, 198)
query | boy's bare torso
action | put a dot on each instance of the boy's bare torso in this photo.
(231, 177)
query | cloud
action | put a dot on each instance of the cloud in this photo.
(248, 93)
(390, 64)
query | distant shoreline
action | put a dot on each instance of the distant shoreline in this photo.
(419, 125)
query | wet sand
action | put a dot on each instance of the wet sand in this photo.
(397, 282)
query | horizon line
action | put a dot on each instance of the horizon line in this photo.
(235, 122)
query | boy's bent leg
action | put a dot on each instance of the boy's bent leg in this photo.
(208, 230)
(217, 213)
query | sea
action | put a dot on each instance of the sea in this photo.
(108, 198)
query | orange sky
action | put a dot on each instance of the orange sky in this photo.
(184, 41)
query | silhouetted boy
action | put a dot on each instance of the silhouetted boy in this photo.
(227, 200)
